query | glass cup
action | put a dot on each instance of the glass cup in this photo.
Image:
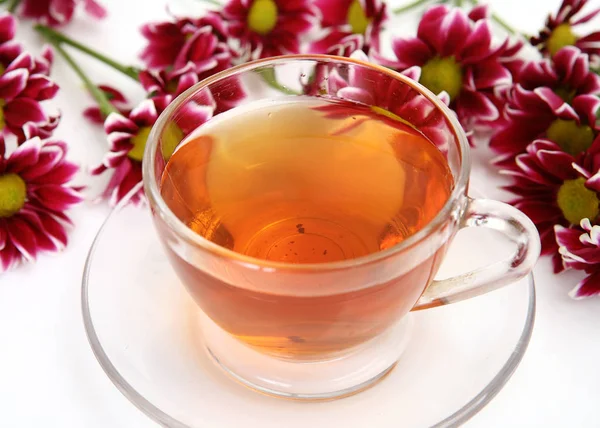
(325, 330)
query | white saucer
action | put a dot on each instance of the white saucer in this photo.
(145, 333)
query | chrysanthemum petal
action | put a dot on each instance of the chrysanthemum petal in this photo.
(410, 52)
(22, 237)
(8, 26)
(116, 122)
(57, 198)
(22, 110)
(588, 287)
(12, 83)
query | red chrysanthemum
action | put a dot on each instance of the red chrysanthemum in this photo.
(203, 42)
(21, 90)
(127, 137)
(580, 249)
(556, 100)
(457, 57)
(267, 28)
(553, 187)
(58, 12)
(172, 83)
(350, 22)
(558, 31)
(34, 195)
(385, 99)
(116, 98)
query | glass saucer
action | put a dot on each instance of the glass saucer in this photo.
(145, 332)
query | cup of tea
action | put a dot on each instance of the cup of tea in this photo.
(310, 216)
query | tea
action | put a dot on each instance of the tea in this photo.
(305, 182)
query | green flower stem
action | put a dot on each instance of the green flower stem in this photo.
(12, 6)
(268, 75)
(501, 22)
(57, 38)
(101, 99)
(213, 2)
(409, 6)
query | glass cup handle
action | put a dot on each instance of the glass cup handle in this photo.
(513, 224)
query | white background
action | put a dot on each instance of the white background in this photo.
(48, 375)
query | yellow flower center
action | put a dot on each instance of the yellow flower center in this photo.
(570, 136)
(442, 74)
(13, 194)
(577, 201)
(170, 139)
(561, 36)
(357, 18)
(262, 16)
(139, 144)
(2, 121)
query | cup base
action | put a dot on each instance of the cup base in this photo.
(334, 378)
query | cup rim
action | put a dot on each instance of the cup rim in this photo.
(155, 199)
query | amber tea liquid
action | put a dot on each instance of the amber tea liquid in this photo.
(298, 182)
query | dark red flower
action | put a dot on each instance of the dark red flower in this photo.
(383, 98)
(580, 249)
(34, 195)
(568, 74)
(266, 28)
(20, 94)
(58, 12)
(558, 31)
(173, 83)
(556, 100)
(553, 187)
(457, 56)
(127, 137)
(203, 42)
(116, 98)
(350, 22)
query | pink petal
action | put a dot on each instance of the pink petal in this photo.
(555, 103)
(478, 43)
(40, 88)
(410, 52)
(479, 12)
(471, 104)
(22, 237)
(57, 198)
(94, 9)
(588, 287)
(12, 83)
(25, 155)
(8, 26)
(3, 237)
(22, 110)
(193, 115)
(451, 35)
(586, 106)
(567, 237)
(490, 74)
(54, 230)
(117, 122)
(10, 257)
(145, 113)
(60, 174)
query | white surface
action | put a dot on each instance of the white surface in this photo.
(49, 377)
